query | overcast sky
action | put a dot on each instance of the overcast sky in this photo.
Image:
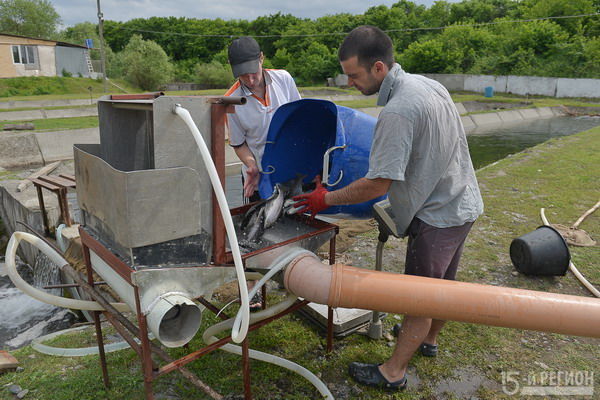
(76, 11)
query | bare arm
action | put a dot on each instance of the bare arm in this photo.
(359, 191)
(252, 174)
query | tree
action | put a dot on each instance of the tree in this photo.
(77, 34)
(214, 75)
(35, 18)
(145, 64)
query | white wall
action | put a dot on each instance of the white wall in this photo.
(45, 61)
(522, 85)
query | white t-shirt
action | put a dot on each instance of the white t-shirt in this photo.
(250, 122)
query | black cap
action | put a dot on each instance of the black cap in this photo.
(244, 56)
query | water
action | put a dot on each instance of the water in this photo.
(489, 144)
(22, 317)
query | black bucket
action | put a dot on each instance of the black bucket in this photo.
(542, 252)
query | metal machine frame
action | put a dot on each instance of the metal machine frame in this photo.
(221, 257)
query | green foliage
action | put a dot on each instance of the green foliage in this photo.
(77, 34)
(145, 64)
(59, 87)
(469, 37)
(35, 18)
(213, 75)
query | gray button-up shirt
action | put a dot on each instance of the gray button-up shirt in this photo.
(420, 144)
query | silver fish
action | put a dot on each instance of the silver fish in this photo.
(295, 185)
(254, 229)
(250, 213)
(274, 205)
(296, 189)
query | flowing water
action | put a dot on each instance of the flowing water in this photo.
(23, 317)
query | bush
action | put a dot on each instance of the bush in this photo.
(66, 73)
(145, 64)
(214, 75)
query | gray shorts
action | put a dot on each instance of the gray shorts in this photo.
(434, 252)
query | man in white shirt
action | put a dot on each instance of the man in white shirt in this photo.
(266, 90)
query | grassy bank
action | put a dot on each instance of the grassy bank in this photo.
(53, 88)
(58, 124)
(560, 175)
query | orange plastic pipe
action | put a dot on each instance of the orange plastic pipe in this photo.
(349, 287)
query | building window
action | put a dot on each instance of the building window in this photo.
(23, 54)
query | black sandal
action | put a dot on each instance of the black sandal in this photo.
(369, 375)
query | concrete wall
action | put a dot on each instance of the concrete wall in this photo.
(71, 59)
(522, 85)
(578, 88)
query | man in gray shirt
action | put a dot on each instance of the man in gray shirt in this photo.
(420, 158)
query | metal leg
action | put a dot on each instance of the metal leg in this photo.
(147, 365)
(246, 368)
(329, 309)
(375, 330)
(43, 210)
(96, 315)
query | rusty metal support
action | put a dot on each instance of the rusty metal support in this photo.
(144, 351)
(218, 114)
(329, 309)
(96, 316)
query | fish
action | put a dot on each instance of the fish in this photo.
(254, 228)
(250, 213)
(295, 186)
(274, 205)
(265, 213)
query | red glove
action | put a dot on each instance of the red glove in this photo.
(313, 202)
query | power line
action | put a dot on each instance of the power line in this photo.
(387, 31)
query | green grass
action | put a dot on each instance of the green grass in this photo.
(44, 108)
(58, 124)
(54, 88)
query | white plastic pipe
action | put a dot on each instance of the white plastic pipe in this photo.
(278, 264)
(38, 344)
(172, 316)
(238, 333)
(11, 251)
(209, 338)
(572, 267)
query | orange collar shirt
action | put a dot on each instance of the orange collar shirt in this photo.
(250, 122)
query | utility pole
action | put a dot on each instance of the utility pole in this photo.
(102, 59)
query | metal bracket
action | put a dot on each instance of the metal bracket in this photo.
(325, 180)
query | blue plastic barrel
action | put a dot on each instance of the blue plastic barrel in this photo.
(300, 134)
(488, 91)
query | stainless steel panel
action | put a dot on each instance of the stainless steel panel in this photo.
(140, 207)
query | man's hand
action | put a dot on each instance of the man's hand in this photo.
(313, 202)
(251, 182)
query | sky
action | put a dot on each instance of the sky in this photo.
(75, 11)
